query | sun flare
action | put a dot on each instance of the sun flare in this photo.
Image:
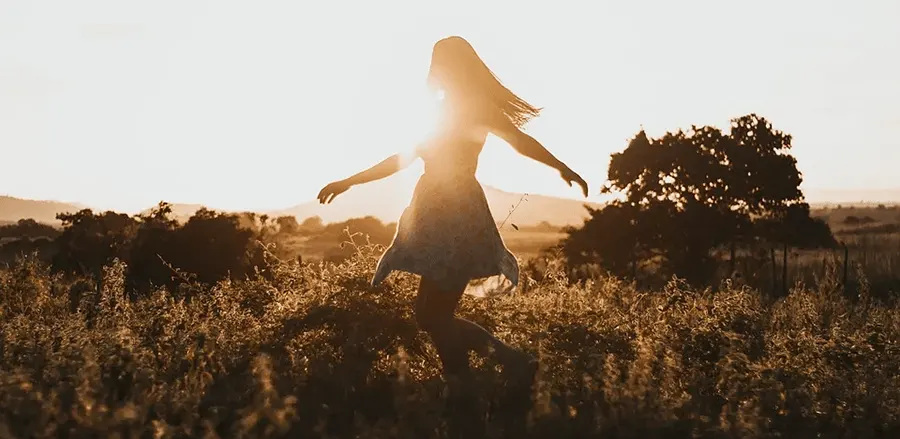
(421, 117)
(424, 123)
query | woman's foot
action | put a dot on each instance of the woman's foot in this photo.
(518, 378)
(463, 406)
(520, 369)
(509, 355)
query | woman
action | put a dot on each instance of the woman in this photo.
(447, 234)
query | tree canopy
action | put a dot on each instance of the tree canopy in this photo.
(689, 192)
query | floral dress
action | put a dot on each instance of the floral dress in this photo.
(447, 233)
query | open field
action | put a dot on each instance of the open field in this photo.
(527, 244)
(312, 353)
(524, 244)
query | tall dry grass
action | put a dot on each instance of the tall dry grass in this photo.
(315, 353)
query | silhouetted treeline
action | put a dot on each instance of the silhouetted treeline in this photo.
(28, 228)
(162, 250)
(25, 237)
(159, 251)
(878, 229)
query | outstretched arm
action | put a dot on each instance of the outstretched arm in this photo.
(529, 147)
(526, 145)
(385, 168)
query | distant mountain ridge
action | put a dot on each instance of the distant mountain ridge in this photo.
(13, 209)
(369, 200)
(386, 200)
(518, 208)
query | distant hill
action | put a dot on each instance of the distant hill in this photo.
(373, 200)
(818, 197)
(387, 198)
(384, 200)
(13, 209)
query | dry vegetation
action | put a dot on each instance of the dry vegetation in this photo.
(314, 353)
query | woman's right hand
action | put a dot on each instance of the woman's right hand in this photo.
(570, 176)
(332, 190)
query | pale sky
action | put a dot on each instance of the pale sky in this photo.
(256, 105)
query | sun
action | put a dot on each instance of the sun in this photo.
(421, 119)
(427, 107)
(420, 116)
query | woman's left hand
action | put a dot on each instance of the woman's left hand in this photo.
(332, 190)
(571, 176)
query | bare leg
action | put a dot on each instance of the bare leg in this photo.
(454, 337)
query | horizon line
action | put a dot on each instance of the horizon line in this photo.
(815, 201)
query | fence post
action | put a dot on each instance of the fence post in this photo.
(846, 264)
(865, 247)
(774, 270)
(784, 270)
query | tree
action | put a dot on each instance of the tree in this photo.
(152, 244)
(28, 228)
(852, 220)
(687, 193)
(211, 246)
(312, 225)
(214, 246)
(43, 247)
(287, 225)
(593, 243)
(795, 227)
(89, 241)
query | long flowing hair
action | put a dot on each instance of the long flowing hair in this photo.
(456, 65)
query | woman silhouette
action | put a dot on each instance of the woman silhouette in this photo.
(447, 234)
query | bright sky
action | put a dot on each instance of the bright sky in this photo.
(256, 105)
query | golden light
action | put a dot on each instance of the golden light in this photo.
(428, 108)
(421, 116)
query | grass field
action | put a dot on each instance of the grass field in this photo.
(527, 244)
(313, 353)
(524, 244)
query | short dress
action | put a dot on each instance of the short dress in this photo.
(447, 233)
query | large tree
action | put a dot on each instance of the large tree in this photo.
(211, 246)
(689, 192)
(152, 246)
(89, 241)
(214, 246)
